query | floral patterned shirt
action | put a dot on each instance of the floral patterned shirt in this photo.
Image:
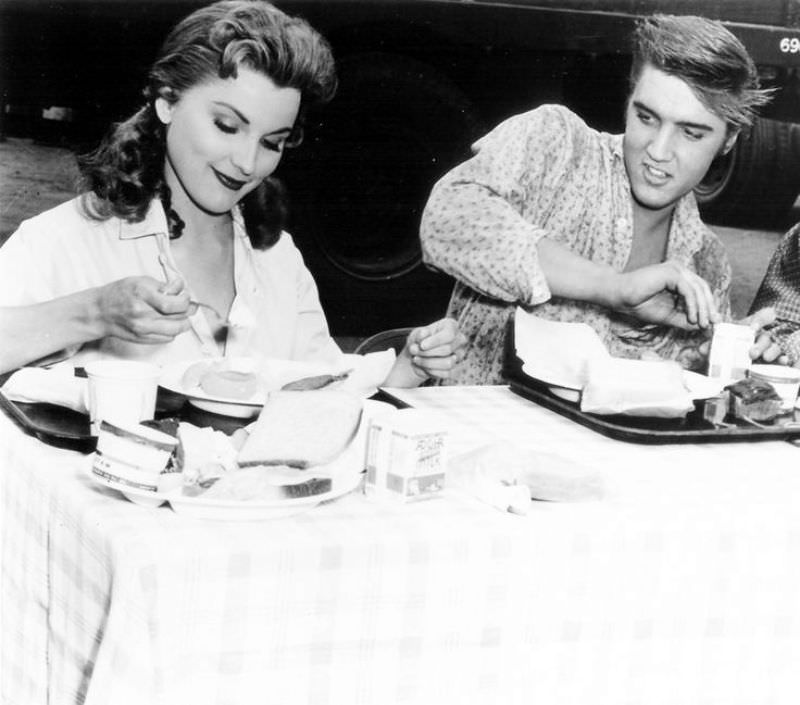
(546, 174)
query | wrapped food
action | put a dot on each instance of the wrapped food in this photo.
(204, 455)
(754, 399)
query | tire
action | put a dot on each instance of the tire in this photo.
(755, 184)
(395, 126)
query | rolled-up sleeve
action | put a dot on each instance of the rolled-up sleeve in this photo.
(484, 218)
(21, 267)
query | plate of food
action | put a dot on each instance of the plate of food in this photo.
(269, 491)
(306, 447)
(239, 386)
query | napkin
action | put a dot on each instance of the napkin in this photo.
(556, 352)
(54, 385)
(508, 477)
(572, 356)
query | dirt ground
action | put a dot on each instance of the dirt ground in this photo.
(34, 177)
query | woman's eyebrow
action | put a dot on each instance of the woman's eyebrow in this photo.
(238, 114)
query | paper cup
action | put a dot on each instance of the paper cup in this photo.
(121, 391)
(132, 455)
(785, 380)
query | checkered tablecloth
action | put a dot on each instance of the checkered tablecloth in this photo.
(681, 585)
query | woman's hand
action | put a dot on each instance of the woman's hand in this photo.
(666, 293)
(436, 348)
(144, 310)
(430, 351)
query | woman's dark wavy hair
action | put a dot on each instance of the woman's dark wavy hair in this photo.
(126, 171)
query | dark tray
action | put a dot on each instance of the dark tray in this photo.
(691, 429)
(65, 428)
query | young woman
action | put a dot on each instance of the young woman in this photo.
(177, 248)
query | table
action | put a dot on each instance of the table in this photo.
(681, 585)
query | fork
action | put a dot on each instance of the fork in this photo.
(170, 274)
(209, 307)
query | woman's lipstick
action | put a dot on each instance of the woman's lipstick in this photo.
(227, 181)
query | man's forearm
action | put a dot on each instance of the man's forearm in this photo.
(571, 276)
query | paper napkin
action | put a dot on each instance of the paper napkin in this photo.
(55, 385)
(572, 355)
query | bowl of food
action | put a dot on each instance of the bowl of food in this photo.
(227, 386)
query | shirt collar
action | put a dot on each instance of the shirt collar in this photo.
(155, 223)
(687, 231)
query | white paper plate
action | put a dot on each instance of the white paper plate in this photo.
(273, 374)
(566, 393)
(699, 386)
(231, 510)
(346, 473)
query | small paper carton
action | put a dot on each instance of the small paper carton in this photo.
(406, 455)
(729, 357)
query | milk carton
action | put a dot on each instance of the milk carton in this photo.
(406, 455)
(729, 357)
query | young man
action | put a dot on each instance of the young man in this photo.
(578, 225)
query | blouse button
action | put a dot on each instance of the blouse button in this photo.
(621, 223)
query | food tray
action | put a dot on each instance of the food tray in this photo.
(66, 428)
(691, 429)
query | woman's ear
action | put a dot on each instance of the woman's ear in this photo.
(164, 104)
(163, 110)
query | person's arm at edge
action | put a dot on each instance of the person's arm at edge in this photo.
(139, 309)
(35, 331)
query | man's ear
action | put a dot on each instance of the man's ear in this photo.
(730, 140)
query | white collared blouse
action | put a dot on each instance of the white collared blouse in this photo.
(276, 311)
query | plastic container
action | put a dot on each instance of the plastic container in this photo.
(785, 380)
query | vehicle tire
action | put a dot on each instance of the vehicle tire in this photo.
(757, 182)
(395, 126)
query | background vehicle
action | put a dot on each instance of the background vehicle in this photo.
(420, 80)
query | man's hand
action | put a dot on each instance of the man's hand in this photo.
(144, 310)
(666, 293)
(765, 348)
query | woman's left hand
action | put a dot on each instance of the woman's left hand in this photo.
(430, 351)
(435, 349)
